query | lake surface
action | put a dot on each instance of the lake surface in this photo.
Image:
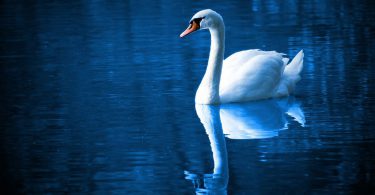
(98, 98)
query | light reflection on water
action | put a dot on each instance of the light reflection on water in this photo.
(99, 97)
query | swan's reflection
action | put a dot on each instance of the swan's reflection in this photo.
(253, 120)
(257, 120)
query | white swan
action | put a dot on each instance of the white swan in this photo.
(245, 75)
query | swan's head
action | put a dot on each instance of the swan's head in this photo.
(204, 19)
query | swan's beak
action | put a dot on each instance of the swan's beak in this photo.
(192, 27)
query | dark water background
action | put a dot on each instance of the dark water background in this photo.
(98, 97)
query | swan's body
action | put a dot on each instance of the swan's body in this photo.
(254, 74)
(244, 76)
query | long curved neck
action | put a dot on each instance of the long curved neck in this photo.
(208, 90)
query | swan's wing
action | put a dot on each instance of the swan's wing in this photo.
(251, 74)
(240, 58)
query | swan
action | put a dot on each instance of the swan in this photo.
(244, 76)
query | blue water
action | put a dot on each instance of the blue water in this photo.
(98, 97)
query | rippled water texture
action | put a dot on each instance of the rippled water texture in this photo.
(98, 97)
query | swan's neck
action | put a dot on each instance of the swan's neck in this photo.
(208, 91)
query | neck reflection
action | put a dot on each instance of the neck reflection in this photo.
(216, 182)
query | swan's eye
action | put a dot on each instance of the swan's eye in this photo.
(197, 20)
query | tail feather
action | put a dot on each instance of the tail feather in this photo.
(295, 66)
(290, 76)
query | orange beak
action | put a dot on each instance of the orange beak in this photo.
(192, 27)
